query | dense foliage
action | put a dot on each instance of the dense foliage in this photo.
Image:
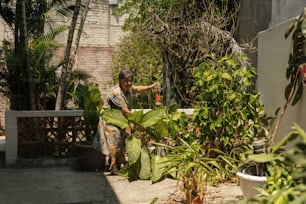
(181, 34)
(227, 108)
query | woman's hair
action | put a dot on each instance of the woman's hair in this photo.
(125, 74)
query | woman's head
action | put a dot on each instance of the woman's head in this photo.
(125, 80)
(126, 75)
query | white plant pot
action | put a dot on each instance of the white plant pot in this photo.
(249, 183)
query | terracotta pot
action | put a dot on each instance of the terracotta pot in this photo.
(88, 158)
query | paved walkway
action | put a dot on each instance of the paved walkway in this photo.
(64, 185)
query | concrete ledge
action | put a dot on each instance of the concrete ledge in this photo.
(11, 143)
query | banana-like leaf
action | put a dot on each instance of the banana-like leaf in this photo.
(134, 170)
(153, 116)
(172, 129)
(115, 117)
(161, 130)
(158, 166)
(134, 149)
(145, 169)
(136, 117)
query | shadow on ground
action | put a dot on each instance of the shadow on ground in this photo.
(56, 185)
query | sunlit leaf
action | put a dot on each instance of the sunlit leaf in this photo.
(145, 169)
(115, 117)
(134, 149)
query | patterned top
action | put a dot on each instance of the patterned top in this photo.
(118, 100)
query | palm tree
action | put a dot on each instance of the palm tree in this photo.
(68, 58)
(27, 21)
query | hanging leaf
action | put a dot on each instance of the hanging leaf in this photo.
(134, 170)
(145, 168)
(298, 94)
(134, 149)
(172, 129)
(161, 130)
(288, 90)
(158, 167)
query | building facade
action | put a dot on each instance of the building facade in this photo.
(102, 31)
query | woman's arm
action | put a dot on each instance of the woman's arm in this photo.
(125, 112)
(140, 89)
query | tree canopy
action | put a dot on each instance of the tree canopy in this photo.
(183, 33)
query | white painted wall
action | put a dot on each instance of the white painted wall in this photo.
(273, 55)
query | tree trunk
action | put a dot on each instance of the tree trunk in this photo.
(166, 78)
(60, 100)
(25, 92)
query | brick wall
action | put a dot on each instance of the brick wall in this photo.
(102, 31)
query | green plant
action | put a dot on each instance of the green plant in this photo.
(88, 98)
(159, 125)
(193, 165)
(228, 113)
(286, 171)
(139, 162)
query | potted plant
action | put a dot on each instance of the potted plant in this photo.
(285, 171)
(88, 98)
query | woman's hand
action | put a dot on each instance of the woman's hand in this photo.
(155, 86)
(129, 128)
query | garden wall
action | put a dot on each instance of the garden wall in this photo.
(273, 56)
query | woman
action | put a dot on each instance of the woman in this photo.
(120, 97)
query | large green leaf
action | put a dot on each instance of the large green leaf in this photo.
(172, 129)
(145, 168)
(134, 170)
(136, 117)
(153, 116)
(172, 108)
(115, 117)
(161, 130)
(134, 149)
(158, 166)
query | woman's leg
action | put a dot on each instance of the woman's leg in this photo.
(113, 139)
